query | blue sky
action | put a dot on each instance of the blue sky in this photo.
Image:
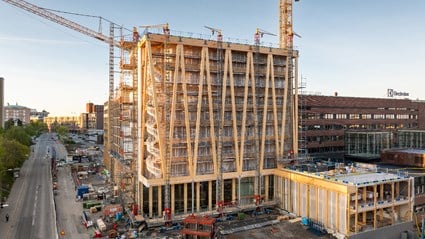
(353, 47)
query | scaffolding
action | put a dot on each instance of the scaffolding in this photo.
(241, 90)
(122, 122)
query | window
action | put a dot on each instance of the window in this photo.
(328, 116)
(354, 116)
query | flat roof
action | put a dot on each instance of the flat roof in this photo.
(410, 151)
(358, 175)
(367, 178)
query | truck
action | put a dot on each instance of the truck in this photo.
(81, 190)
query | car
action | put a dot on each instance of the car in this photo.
(101, 190)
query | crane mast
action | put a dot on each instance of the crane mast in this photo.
(286, 35)
(285, 24)
(76, 27)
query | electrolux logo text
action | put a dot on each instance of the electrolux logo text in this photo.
(393, 93)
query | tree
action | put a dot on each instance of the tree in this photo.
(12, 153)
(61, 130)
(35, 128)
(18, 133)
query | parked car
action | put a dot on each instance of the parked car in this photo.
(101, 190)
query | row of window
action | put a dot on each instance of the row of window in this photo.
(313, 116)
(356, 126)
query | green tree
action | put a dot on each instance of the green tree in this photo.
(12, 153)
(35, 128)
(9, 124)
(61, 130)
(19, 134)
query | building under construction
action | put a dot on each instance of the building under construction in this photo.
(348, 201)
(214, 119)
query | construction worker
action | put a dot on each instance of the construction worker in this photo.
(7, 217)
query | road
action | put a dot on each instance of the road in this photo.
(31, 206)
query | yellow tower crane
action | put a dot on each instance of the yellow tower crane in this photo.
(286, 32)
(50, 15)
(289, 148)
(44, 13)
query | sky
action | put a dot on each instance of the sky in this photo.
(352, 47)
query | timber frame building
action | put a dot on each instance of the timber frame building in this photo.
(350, 202)
(216, 123)
(214, 120)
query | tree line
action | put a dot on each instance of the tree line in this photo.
(15, 143)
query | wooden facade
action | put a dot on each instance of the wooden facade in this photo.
(347, 203)
(209, 110)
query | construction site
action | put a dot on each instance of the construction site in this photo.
(201, 128)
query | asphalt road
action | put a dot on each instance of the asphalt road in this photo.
(31, 207)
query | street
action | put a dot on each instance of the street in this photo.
(31, 207)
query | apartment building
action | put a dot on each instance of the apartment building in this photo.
(17, 112)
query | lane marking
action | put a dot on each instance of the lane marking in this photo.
(35, 205)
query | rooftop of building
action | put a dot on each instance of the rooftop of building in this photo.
(319, 100)
(210, 37)
(353, 174)
(405, 150)
(16, 106)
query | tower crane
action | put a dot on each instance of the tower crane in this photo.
(286, 35)
(76, 27)
(165, 28)
(259, 33)
(49, 15)
(215, 30)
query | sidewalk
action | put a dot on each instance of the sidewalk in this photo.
(69, 212)
(7, 229)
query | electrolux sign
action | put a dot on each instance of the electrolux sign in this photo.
(393, 93)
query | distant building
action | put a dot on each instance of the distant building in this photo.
(2, 102)
(325, 120)
(88, 121)
(38, 116)
(411, 139)
(98, 110)
(89, 107)
(17, 112)
(72, 122)
(367, 145)
(93, 117)
(404, 157)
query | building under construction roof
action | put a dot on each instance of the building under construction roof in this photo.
(214, 119)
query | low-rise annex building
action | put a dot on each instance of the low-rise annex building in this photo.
(350, 202)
